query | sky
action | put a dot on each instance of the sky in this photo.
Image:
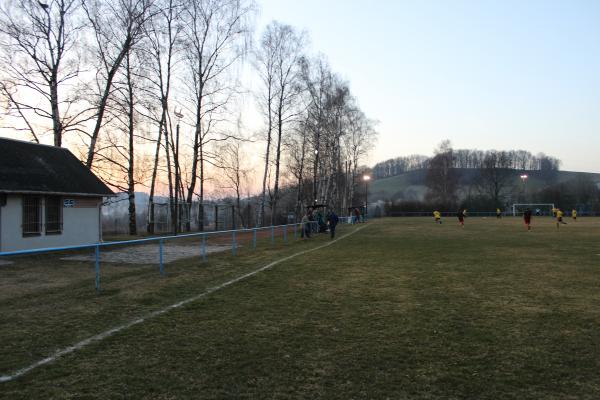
(484, 74)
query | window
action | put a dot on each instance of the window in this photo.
(32, 215)
(53, 215)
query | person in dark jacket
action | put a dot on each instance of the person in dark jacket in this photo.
(332, 220)
(461, 217)
(321, 223)
(356, 216)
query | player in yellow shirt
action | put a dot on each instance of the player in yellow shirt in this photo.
(498, 213)
(437, 216)
(559, 218)
(554, 211)
(574, 214)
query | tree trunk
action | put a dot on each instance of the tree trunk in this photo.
(169, 176)
(131, 166)
(300, 195)
(151, 223)
(56, 123)
(196, 148)
(201, 196)
(104, 100)
(261, 211)
(277, 160)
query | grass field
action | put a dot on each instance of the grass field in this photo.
(401, 308)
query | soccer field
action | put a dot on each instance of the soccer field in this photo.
(399, 308)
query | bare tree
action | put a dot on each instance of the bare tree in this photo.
(38, 59)
(235, 174)
(297, 146)
(163, 36)
(120, 156)
(116, 28)
(131, 117)
(441, 178)
(265, 66)
(284, 46)
(339, 104)
(358, 142)
(495, 176)
(327, 105)
(216, 34)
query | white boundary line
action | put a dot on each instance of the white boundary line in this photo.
(112, 331)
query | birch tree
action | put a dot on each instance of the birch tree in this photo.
(264, 63)
(317, 80)
(216, 34)
(282, 50)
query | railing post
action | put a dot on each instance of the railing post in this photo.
(272, 234)
(285, 233)
(233, 244)
(295, 231)
(233, 224)
(254, 238)
(204, 248)
(216, 218)
(160, 256)
(97, 250)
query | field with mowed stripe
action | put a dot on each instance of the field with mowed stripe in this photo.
(399, 308)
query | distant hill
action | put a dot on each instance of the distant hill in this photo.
(411, 185)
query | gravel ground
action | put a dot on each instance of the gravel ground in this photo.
(148, 254)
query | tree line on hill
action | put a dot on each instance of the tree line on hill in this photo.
(489, 180)
(148, 93)
(467, 158)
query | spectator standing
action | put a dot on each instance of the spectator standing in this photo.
(305, 224)
(356, 217)
(332, 221)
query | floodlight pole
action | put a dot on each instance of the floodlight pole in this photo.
(524, 178)
(176, 216)
(179, 115)
(366, 199)
(315, 175)
(366, 178)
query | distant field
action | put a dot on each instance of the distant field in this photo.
(401, 308)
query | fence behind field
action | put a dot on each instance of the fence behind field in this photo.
(444, 214)
(480, 214)
(157, 217)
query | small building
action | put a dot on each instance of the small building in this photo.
(48, 198)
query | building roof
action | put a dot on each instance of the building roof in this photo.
(27, 167)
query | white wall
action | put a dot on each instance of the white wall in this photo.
(80, 226)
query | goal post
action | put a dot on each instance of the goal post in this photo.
(536, 208)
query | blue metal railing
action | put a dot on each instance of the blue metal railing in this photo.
(161, 242)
